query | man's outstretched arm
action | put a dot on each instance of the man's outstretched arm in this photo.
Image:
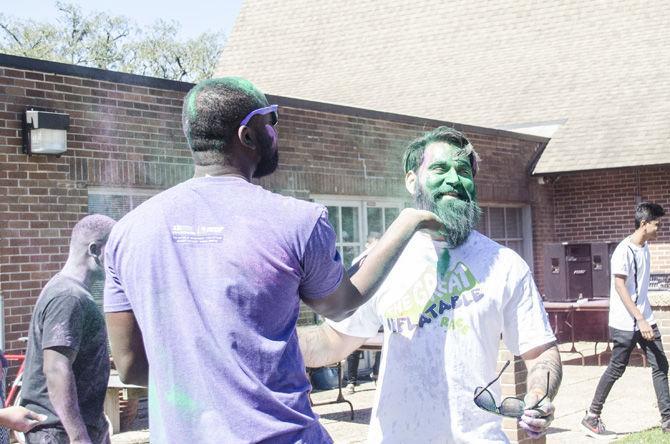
(323, 345)
(127, 344)
(354, 292)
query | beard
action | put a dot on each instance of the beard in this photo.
(267, 165)
(269, 159)
(459, 217)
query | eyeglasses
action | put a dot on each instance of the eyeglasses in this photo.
(272, 109)
(512, 407)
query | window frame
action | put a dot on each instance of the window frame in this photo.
(362, 203)
(526, 228)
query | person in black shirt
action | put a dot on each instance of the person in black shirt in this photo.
(67, 362)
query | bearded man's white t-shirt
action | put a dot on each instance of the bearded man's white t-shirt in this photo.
(441, 338)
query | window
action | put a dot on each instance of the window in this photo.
(346, 222)
(354, 219)
(509, 226)
(115, 203)
(379, 218)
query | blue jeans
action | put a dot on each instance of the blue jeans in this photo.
(624, 343)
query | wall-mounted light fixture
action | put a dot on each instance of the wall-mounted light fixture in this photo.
(45, 132)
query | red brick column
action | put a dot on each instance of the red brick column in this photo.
(513, 383)
(660, 304)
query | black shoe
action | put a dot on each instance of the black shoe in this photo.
(665, 426)
(594, 427)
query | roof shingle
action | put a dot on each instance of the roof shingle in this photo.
(599, 67)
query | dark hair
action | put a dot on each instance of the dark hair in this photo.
(647, 211)
(413, 156)
(92, 228)
(212, 112)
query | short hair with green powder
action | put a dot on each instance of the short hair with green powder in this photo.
(413, 156)
(212, 113)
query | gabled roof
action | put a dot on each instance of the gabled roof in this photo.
(595, 72)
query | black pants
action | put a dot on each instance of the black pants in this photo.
(352, 366)
(624, 343)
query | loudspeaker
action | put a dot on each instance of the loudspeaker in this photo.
(555, 283)
(567, 272)
(578, 259)
(601, 255)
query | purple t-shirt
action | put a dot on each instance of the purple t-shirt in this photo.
(214, 269)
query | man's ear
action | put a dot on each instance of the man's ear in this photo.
(411, 182)
(93, 249)
(244, 134)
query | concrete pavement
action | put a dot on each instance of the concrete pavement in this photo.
(630, 407)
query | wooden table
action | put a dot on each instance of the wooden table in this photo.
(340, 397)
(374, 343)
(112, 398)
(569, 309)
(584, 305)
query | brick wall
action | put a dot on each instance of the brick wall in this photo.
(600, 206)
(120, 134)
(662, 317)
(543, 226)
(326, 149)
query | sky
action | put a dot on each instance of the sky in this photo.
(195, 16)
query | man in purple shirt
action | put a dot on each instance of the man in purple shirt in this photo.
(205, 279)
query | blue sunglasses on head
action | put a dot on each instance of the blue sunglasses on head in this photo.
(272, 109)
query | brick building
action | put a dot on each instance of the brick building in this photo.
(125, 144)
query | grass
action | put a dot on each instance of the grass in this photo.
(651, 436)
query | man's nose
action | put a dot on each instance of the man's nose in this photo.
(450, 176)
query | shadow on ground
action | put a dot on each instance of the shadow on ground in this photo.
(361, 416)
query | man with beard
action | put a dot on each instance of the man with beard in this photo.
(206, 278)
(444, 307)
(67, 362)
